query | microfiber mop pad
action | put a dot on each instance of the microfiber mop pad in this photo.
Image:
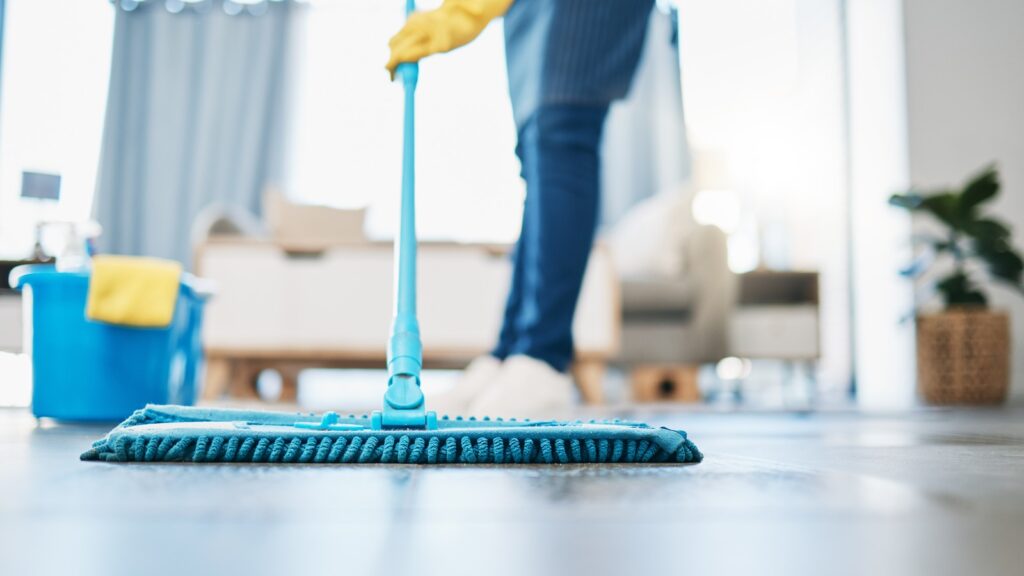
(183, 434)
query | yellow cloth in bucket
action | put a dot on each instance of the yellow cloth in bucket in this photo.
(133, 291)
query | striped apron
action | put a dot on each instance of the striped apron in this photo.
(572, 51)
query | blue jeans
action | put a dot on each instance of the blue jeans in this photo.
(559, 147)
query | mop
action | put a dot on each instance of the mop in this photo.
(403, 431)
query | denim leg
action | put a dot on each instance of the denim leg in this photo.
(560, 151)
(509, 331)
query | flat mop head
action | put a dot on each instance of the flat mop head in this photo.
(183, 434)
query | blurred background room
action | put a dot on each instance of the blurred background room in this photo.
(748, 255)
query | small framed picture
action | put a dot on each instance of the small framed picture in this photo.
(40, 185)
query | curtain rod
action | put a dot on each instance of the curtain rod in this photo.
(230, 7)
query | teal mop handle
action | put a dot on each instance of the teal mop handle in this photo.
(403, 401)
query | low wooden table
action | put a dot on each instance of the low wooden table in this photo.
(287, 309)
(233, 372)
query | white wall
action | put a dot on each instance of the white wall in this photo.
(965, 102)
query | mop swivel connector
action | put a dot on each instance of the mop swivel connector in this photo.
(403, 406)
(403, 401)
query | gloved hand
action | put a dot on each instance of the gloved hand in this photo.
(456, 23)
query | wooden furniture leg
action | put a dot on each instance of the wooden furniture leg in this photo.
(654, 383)
(218, 378)
(243, 380)
(289, 382)
(589, 376)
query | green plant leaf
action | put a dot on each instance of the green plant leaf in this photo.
(969, 298)
(988, 231)
(970, 238)
(954, 282)
(919, 265)
(958, 290)
(946, 207)
(981, 188)
(1003, 262)
(908, 201)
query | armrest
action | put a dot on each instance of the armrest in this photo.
(716, 289)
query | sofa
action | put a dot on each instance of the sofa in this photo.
(678, 295)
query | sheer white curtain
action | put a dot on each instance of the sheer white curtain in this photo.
(195, 117)
(645, 144)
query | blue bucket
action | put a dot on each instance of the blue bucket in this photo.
(85, 370)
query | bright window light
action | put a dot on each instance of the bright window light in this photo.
(346, 146)
(744, 253)
(763, 89)
(56, 67)
(717, 208)
(733, 368)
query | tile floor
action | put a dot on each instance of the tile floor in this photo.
(932, 492)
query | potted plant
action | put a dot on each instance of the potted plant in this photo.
(963, 350)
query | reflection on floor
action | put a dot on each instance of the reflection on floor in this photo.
(934, 492)
(769, 387)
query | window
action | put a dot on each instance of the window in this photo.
(347, 118)
(55, 69)
(763, 95)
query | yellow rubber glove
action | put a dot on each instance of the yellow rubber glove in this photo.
(456, 23)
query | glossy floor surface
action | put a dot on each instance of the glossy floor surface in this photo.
(934, 492)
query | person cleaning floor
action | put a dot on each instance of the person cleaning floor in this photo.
(568, 60)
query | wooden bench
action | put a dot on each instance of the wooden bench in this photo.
(290, 307)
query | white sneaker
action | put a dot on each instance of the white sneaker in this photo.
(526, 388)
(478, 376)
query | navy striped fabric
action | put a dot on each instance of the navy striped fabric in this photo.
(572, 51)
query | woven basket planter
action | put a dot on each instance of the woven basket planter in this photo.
(963, 356)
